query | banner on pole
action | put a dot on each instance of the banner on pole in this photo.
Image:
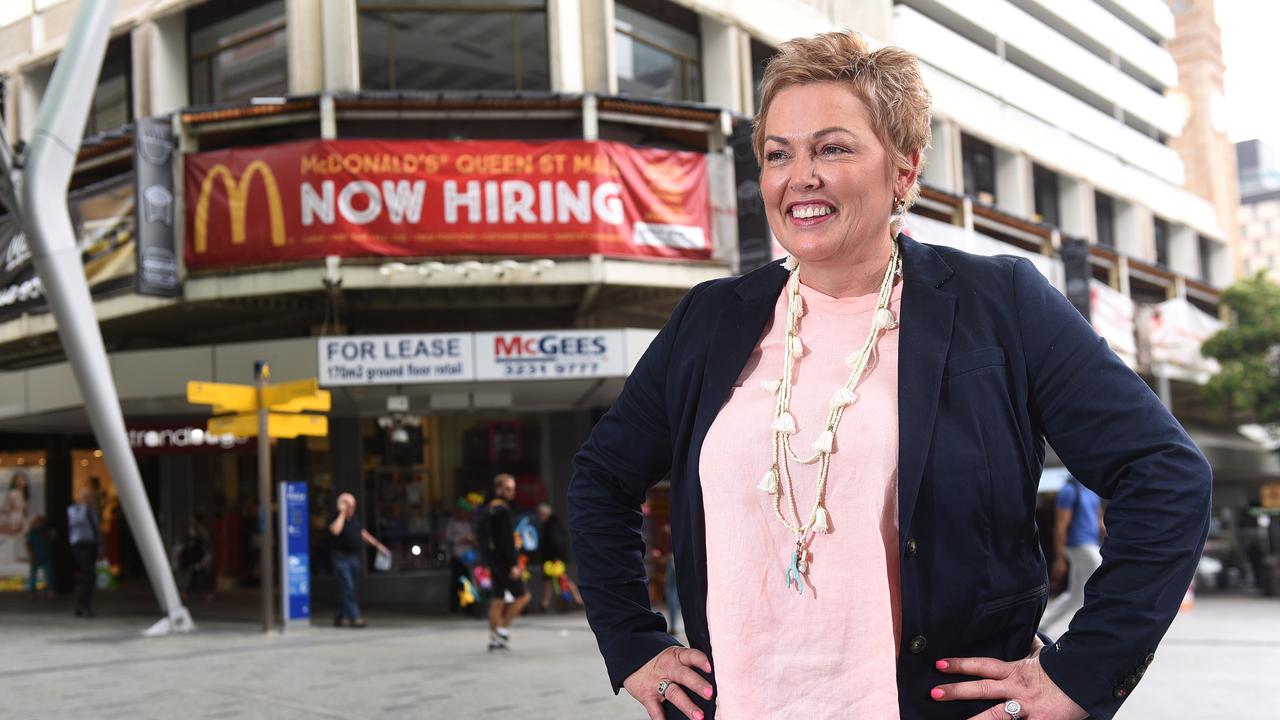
(295, 555)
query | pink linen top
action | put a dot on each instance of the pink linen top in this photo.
(830, 652)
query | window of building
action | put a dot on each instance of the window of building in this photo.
(1104, 212)
(1204, 246)
(760, 56)
(448, 45)
(112, 104)
(1045, 187)
(1162, 242)
(238, 51)
(657, 51)
(979, 161)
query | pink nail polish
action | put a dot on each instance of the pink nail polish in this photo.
(697, 716)
(936, 693)
(941, 664)
(707, 693)
(707, 667)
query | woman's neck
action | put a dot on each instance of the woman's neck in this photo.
(848, 277)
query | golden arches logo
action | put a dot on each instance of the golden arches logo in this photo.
(238, 202)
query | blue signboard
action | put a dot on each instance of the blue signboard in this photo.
(295, 554)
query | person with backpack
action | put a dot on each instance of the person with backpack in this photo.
(497, 542)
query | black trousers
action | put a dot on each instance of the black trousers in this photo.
(86, 555)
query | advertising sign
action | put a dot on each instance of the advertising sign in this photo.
(556, 355)
(157, 262)
(295, 555)
(360, 198)
(22, 501)
(382, 359)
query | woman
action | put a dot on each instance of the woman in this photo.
(13, 513)
(854, 439)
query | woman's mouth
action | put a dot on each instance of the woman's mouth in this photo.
(807, 214)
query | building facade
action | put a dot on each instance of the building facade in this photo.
(468, 219)
(1259, 208)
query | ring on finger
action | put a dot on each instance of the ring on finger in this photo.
(662, 687)
(1014, 708)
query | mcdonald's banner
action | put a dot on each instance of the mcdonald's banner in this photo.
(360, 198)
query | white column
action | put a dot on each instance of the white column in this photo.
(304, 35)
(166, 65)
(34, 82)
(341, 45)
(942, 161)
(1135, 233)
(1184, 257)
(599, 72)
(564, 33)
(721, 64)
(1075, 203)
(1014, 193)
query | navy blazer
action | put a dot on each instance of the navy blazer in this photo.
(993, 361)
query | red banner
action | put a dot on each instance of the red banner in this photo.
(361, 198)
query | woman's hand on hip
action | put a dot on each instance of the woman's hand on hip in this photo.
(676, 666)
(1023, 680)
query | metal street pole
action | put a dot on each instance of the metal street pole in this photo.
(261, 374)
(42, 199)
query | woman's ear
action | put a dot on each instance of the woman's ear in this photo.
(906, 178)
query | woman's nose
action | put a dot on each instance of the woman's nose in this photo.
(804, 175)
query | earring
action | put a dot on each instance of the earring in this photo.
(899, 205)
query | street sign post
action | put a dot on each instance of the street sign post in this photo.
(268, 411)
(295, 556)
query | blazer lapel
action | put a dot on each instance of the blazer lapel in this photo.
(927, 317)
(737, 332)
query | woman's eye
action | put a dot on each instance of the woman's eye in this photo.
(775, 155)
(832, 150)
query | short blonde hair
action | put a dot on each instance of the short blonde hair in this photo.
(887, 81)
(501, 478)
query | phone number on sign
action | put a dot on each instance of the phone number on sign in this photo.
(551, 369)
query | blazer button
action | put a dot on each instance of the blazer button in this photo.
(918, 644)
(911, 547)
(1119, 692)
(1151, 657)
(1131, 682)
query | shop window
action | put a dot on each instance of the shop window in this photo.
(1104, 210)
(657, 51)
(978, 159)
(1204, 247)
(447, 45)
(402, 489)
(112, 104)
(1162, 242)
(760, 56)
(1045, 187)
(238, 51)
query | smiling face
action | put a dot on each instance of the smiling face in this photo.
(828, 182)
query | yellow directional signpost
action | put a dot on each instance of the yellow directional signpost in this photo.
(267, 411)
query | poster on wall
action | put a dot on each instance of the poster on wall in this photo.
(23, 501)
(373, 198)
(156, 269)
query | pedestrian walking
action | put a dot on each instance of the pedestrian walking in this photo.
(1078, 530)
(853, 438)
(349, 539)
(86, 543)
(498, 542)
(195, 560)
(40, 555)
(554, 548)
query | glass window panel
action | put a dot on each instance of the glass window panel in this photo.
(656, 32)
(240, 57)
(1104, 213)
(454, 50)
(649, 71)
(978, 159)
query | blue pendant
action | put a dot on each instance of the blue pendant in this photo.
(793, 573)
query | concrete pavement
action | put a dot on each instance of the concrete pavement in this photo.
(1219, 661)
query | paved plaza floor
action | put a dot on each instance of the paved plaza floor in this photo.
(1220, 660)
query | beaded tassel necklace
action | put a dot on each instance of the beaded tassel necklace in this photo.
(777, 481)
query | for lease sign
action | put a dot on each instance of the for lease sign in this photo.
(396, 359)
(549, 355)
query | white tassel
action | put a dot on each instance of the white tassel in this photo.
(825, 441)
(854, 358)
(770, 482)
(885, 319)
(797, 347)
(821, 523)
(784, 423)
(771, 386)
(797, 306)
(790, 263)
(843, 397)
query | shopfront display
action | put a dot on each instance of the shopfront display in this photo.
(22, 507)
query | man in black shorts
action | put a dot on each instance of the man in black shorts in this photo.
(498, 537)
